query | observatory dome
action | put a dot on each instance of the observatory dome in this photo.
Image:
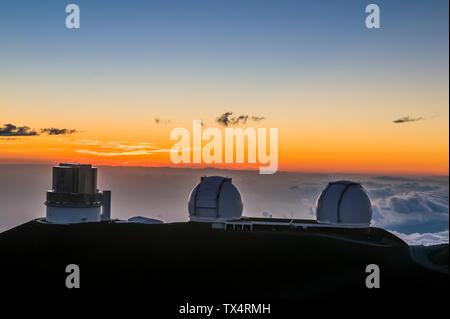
(344, 203)
(74, 197)
(215, 199)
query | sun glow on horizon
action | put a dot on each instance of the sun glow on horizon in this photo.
(343, 98)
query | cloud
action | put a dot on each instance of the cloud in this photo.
(134, 151)
(160, 121)
(122, 148)
(408, 118)
(414, 205)
(128, 147)
(12, 130)
(426, 239)
(117, 148)
(239, 119)
(381, 193)
(258, 118)
(409, 204)
(138, 152)
(417, 187)
(56, 131)
(226, 119)
(392, 178)
(87, 142)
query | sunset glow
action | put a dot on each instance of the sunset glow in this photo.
(334, 93)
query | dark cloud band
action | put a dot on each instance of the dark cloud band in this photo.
(407, 119)
(227, 119)
(56, 131)
(12, 130)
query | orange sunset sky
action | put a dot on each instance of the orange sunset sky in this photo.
(334, 93)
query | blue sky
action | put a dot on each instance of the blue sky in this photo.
(194, 35)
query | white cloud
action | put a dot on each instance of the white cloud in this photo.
(426, 239)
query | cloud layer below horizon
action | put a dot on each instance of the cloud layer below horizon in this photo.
(414, 208)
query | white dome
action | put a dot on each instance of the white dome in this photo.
(344, 203)
(215, 199)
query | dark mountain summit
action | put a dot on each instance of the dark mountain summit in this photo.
(193, 259)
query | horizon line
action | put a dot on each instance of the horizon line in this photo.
(390, 173)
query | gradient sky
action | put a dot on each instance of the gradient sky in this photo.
(332, 87)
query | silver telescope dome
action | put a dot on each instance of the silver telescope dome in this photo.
(215, 199)
(344, 203)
